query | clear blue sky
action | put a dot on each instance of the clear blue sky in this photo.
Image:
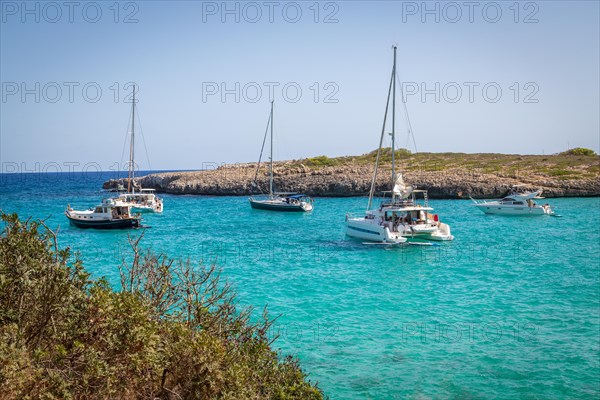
(543, 56)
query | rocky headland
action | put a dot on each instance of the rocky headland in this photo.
(444, 175)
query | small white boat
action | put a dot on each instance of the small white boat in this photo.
(107, 215)
(144, 200)
(516, 203)
(404, 216)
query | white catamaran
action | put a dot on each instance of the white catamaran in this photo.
(278, 201)
(404, 216)
(144, 200)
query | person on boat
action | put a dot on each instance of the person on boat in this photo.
(395, 221)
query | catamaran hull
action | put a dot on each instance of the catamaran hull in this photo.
(439, 233)
(114, 224)
(437, 237)
(260, 205)
(357, 228)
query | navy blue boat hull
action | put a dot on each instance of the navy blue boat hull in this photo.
(115, 224)
(259, 205)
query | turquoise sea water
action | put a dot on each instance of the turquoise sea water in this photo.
(510, 309)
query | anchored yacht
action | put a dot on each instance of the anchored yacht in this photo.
(283, 202)
(277, 201)
(144, 200)
(107, 215)
(516, 203)
(404, 216)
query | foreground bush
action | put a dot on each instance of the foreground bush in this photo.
(172, 332)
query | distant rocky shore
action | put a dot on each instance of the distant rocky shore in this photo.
(352, 179)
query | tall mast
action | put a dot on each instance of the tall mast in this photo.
(394, 125)
(385, 115)
(271, 165)
(130, 187)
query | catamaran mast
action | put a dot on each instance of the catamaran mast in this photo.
(271, 165)
(387, 105)
(394, 126)
(130, 187)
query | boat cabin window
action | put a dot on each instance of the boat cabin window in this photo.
(520, 203)
(98, 210)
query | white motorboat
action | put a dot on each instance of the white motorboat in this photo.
(516, 203)
(277, 201)
(402, 217)
(144, 200)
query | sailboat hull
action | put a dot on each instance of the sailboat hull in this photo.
(370, 229)
(106, 224)
(361, 228)
(271, 205)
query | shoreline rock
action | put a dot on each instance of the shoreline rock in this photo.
(355, 180)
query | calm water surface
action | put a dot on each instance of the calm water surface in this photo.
(509, 309)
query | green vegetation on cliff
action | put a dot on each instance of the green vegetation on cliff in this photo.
(579, 151)
(172, 332)
(572, 164)
(444, 175)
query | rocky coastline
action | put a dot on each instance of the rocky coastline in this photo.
(352, 179)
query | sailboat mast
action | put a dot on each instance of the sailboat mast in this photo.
(130, 187)
(271, 164)
(385, 115)
(394, 125)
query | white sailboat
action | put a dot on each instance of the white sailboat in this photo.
(407, 215)
(144, 200)
(278, 201)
